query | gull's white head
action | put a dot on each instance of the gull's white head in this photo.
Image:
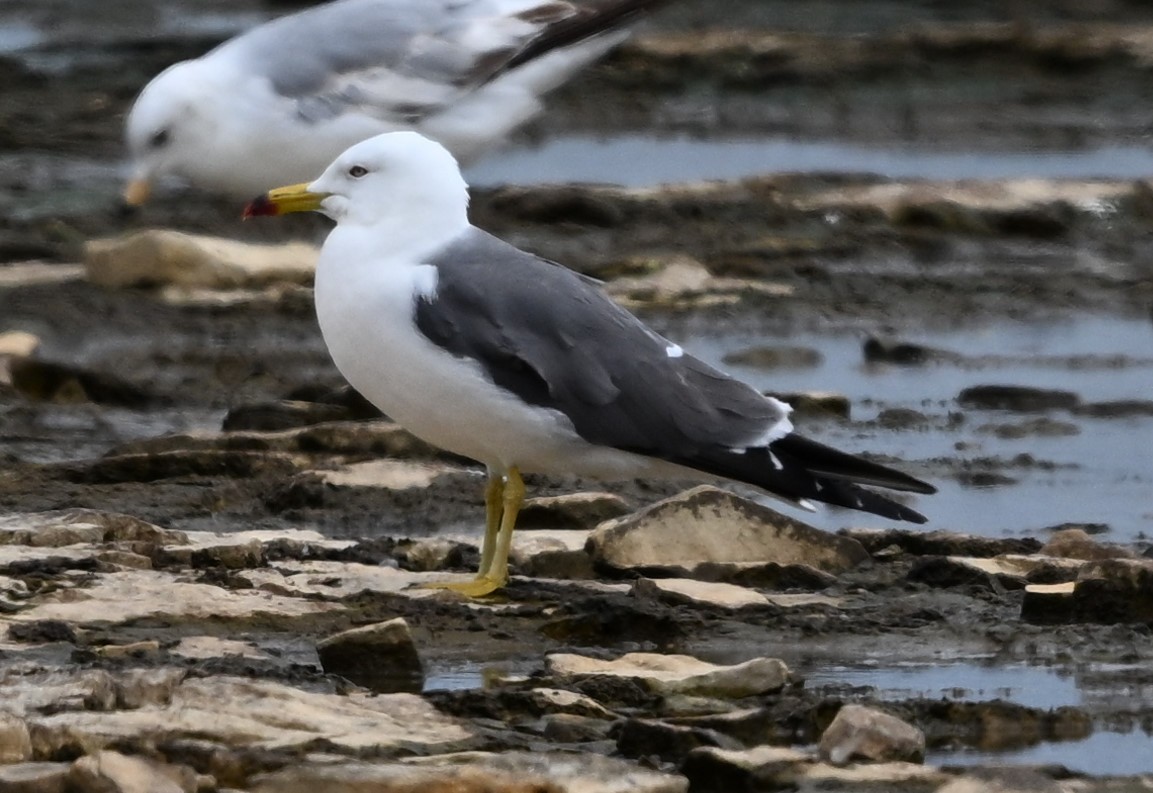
(393, 175)
(399, 180)
(169, 130)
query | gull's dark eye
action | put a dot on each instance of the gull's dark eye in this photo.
(357, 171)
(159, 139)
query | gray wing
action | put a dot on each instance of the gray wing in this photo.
(555, 340)
(403, 60)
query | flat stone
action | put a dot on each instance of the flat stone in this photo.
(715, 770)
(341, 579)
(111, 771)
(381, 656)
(232, 464)
(775, 357)
(238, 712)
(477, 772)
(34, 777)
(67, 384)
(668, 742)
(902, 353)
(816, 404)
(140, 594)
(59, 690)
(57, 528)
(388, 474)
(890, 777)
(859, 732)
(1018, 398)
(680, 591)
(559, 700)
(1106, 592)
(215, 647)
(163, 257)
(940, 543)
(678, 674)
(707, 524)
(31, 273)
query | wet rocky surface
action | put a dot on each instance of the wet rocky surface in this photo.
(211, 552)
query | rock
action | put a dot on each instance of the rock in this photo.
(281, 415)
(182, 463)
(940, 543)
(388, 474)
(669, 742)
(88, 690)
(200, 647)
(34, 777)
(1106, 592)
(1017, 398)
(138, 688)
(1040, 427)
(112, 772)
(714, 770)
(46, 381)
(570, 511)
(244, 713)
(15, 745)
(766, 575)
(149, 594)
(902, 353)
(1010, 571)
(816, 404)
(775, 357)
(681, 591)
(902, 419)
(382, 656)
(18, 343)
(1004, 780)
(1077, 544)
(894, 777)
(707, 524)
(476, 772)
(162, 257)
(859, 732)
(1117, 409)
(678, 674)
(573, 728)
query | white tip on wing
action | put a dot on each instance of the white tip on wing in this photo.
(426, 279)
(674, 351)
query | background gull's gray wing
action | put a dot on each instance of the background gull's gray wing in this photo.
(403, 60)
(551, 337)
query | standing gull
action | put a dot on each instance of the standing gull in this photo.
(277, 104)
(519, 363)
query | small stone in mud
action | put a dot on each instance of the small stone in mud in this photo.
(1017, 398)
(381, 657)
(903, 353)
(775, 357)
(816, 404)
(902, 419)
(862, 732)
(47, 381)
(1040, 427)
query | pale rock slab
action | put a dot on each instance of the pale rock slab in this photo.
(859, 732)
(164, 257)
(215, 647)
(339, 579)
(60, 528)
(15, 743)
(31, 273)
(477, 772)
(678, 674)
(137, 594)
(688, 591)
(707, 524)
(893, 777)
(388, 474)
(570, 511)
(27, 694)
(258, 713)
(112, 772)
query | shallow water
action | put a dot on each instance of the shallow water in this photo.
(1100, 475)
(639, 160)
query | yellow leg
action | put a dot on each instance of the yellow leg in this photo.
(493, 493)
(503, 498)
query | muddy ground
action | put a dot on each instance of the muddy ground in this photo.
(828, 253)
